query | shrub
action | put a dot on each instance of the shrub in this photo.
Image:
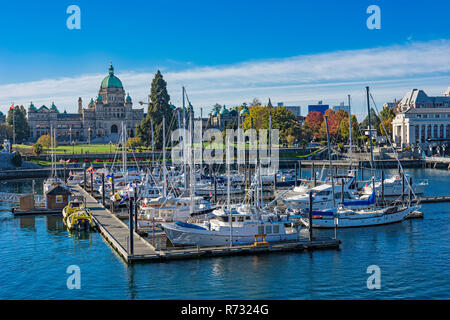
(38, 149)
(16, 159)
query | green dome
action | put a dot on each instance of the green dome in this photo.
(32, 107)
(224, 110)
(128, 97)
(171, 106)
(54, 108)
(99, 98)
(244, 111)
(111, 81)
(214, 112)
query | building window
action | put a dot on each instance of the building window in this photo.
(59, 199)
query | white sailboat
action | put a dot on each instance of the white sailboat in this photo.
(343, 216)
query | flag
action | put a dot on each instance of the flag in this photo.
(124, 198)
(68, 161)
(12, 107)
(70, 173)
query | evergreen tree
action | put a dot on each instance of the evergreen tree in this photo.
(374, 119)
(269, 104)
(22, 129)
(157, 109)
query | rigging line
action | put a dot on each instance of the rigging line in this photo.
(393, 149)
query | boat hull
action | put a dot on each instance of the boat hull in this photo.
(203, 238)
(358, 220)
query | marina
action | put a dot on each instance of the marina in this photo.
(405, 249)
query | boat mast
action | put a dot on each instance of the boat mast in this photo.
(184, 141)
(370, 129)
(153, 143)
(191, 166)
(350, 132)
(164, 157)
(331, 164)
(228, 156)
(370, 139)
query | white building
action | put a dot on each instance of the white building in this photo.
(422, 120)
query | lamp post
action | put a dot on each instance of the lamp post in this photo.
(89, 134)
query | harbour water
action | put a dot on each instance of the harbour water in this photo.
(413, 256)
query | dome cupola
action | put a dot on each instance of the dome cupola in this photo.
(111, 81)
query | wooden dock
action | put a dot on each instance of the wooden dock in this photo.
(116, 233)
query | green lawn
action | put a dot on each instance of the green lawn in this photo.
(77, 149)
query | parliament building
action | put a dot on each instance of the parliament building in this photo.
(100, 122)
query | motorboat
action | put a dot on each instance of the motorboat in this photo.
(246, 223)
(394, 185)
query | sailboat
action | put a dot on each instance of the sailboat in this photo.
(233, 224)
(343, 216)
(53, 180)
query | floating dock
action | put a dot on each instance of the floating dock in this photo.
(116, 233)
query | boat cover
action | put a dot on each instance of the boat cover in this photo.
(188, 225)
(372, 199)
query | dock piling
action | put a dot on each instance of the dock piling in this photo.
(130, 221)
(310, 216)
(103, 189)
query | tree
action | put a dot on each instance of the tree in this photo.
(22, 129)
(313, 122)
(16, 160)
(6, 131)
(285, 121)
(158, 108)
(374, 119)
(386, 115)
(38, 149)
(134, 142)
(345, 134)
(333, 125)
(255, 103)
(269, 104)
(257, 117)
(46, 141)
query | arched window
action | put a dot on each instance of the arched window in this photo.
(114, 128)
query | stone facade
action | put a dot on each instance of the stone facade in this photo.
(422, 120)
(100, 122)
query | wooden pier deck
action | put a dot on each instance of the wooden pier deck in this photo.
(116, 233)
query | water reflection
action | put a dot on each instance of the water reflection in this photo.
(55, 223)
(28, 223)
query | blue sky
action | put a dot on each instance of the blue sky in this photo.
(223, 50)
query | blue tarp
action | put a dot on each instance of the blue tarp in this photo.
(189, 225)
(372, 199)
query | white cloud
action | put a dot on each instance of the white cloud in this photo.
(390, 71)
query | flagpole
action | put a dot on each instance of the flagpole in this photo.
(14, 125)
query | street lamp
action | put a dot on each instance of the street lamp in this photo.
(89, 135)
